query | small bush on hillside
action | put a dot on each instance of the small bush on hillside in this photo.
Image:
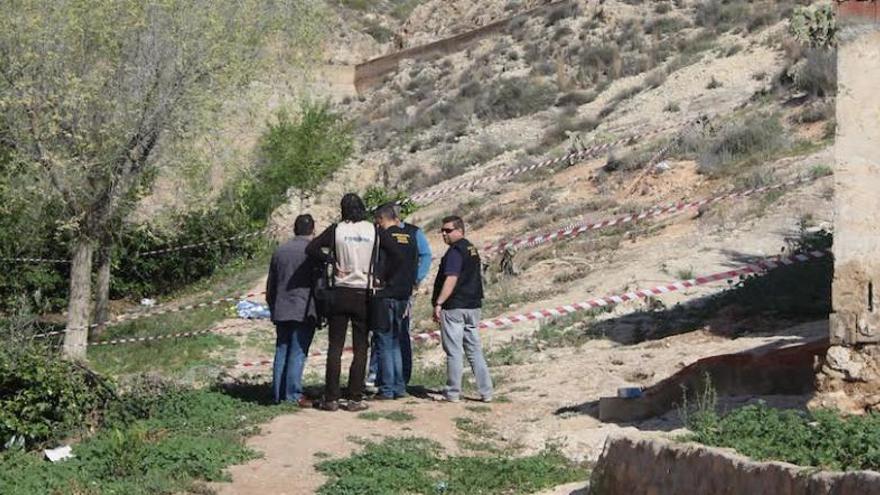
(562, 12)
(817, 74)
(745, 141)
(666, 24)
(576, 98)
(816, 112)
(567, 127)
(297, 152)
(515, 97)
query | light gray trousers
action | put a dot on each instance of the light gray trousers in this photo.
(461, 337)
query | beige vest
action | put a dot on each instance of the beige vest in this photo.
(354, 249)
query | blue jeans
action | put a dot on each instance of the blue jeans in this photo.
(292, 341)
(405, 352)
(390, 377)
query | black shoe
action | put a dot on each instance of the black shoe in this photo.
(329, 405)
(356, 406)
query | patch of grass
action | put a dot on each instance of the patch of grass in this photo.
(420, 466)
(396, 416)
(432, 377)
(479, 409)
(508, 354)
(685, 273)
(158, 444)
(823, 439)
(171, 357)
(820, 171)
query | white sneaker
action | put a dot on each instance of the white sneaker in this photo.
(371, 388)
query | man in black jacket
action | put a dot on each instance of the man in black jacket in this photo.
(390, 327)
(457, 299)
(292, 306)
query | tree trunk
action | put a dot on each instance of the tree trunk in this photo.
(102, 291)
(80, 299)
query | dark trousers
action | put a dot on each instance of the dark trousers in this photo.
(405, 350)
(350, 305)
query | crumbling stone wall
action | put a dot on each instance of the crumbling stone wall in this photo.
(641, 465)
(850, 375)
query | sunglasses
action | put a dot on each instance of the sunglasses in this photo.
(447, 230)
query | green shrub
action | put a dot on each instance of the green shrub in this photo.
(741, 142)
(822, 439)
(297, 152)
(168, 437)
(44, 398)
(817, 74)
(376, 196)
(513, 97)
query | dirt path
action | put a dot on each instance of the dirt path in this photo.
(292, 444)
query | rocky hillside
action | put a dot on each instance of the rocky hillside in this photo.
(586, 73)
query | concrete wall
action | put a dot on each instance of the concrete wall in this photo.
(856, 289)
(650, 466)
(771, 370)
(371, 72)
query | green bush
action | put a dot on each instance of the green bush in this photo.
(817, 74)
(296, 152)
(159, 439)
(136, 276)
(44, 398)
(515, 97)
(376, 196)
(822, 439)
(742, 142)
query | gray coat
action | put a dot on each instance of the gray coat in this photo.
(291, 278)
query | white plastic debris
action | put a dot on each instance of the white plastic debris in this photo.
(662, 166)
(59, 453)
(148, 302)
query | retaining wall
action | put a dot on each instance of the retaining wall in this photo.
(371, 72)
(652, 466)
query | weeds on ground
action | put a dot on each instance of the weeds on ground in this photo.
(824, 439)
(395, 416)
(156, 440)
(419, 465)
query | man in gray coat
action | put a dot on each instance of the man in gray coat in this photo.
(292, 305)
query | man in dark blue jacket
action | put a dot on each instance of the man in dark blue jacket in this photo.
(292, 305)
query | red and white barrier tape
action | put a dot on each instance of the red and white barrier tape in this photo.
(757, 267)
(176, 309)
(579, 155)
(576, 229)
(33, 260)
(209, 242)
(505, 321)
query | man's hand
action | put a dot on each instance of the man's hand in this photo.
(437, 309)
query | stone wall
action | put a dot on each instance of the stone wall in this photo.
(651, 466)
(371, 72)
(856, 289)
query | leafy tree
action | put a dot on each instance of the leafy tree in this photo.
(89, 90)
(298, 152)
